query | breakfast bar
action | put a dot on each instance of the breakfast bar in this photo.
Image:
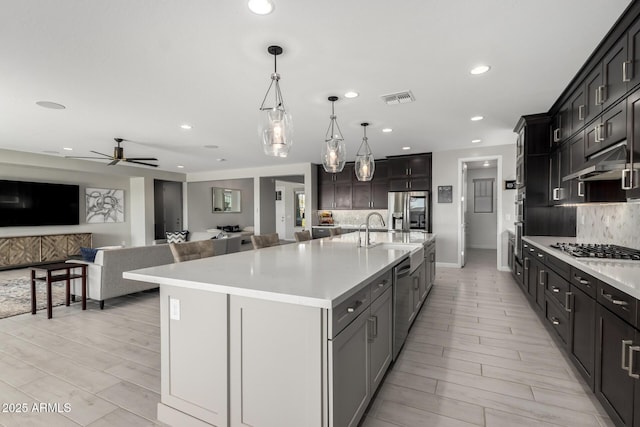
(298, 334)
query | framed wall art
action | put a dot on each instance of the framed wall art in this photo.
(104, 205)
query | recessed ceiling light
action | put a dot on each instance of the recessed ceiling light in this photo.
(476, 118)
(221, 160)
(406, 148)
(180, 167)
(351, 94)
(387, 130)
(475, 141)
(260, 7)
(480, 69)
(51, 105)
(486, 163)
(185, 126)
(67, 148)
(210, 146)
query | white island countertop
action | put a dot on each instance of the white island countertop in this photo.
(622, 275)
(319, 273)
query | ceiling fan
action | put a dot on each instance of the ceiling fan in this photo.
(118, 155)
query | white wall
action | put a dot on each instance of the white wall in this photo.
(482, 228)
(137, 183)
(446, 215)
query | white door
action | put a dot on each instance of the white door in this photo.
(281, 226)
(463, 216)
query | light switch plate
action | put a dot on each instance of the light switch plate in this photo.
(174, 309)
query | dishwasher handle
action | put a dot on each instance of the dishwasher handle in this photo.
(403, 272)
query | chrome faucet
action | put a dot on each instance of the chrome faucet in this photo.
(367, 240)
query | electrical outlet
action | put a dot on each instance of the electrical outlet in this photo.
(174, 309)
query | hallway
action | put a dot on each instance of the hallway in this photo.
(479, 355)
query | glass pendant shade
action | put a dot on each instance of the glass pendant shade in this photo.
(276, 130)
(276, 126)
(365, 164)
(334, 150)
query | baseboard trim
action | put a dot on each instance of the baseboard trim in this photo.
(447, 264)
(503, 268)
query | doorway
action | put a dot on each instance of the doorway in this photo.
(167, 207)
(280, 205)
(480, 206)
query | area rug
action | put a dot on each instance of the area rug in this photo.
(15, 296)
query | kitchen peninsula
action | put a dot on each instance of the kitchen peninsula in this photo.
(298, 334)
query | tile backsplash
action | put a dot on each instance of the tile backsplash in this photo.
(617, 223)
(357, 217)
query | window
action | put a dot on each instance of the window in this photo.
(483, 195)
(299, 207)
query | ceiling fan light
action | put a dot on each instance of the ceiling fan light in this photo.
(365, 165)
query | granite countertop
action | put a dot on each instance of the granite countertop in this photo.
(621, 274)
(319, 273)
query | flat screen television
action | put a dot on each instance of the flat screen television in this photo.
(37, 203)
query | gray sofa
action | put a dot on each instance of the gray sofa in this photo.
(104, 274)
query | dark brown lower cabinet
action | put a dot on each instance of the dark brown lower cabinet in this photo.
(532, 276)
(613, 385)
(582, 324)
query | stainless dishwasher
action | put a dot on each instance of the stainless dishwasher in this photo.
(402, 304)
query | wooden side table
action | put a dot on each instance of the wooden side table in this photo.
(63, 270)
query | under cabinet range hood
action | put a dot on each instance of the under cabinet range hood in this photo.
(607, 164)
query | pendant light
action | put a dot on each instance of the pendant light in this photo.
(276, 127)
(334, 151)
(365, 165)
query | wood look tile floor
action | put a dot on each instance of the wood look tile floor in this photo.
(476, 356)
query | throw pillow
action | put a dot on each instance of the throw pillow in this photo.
(176, 236)
(236, 228)
(88, 254)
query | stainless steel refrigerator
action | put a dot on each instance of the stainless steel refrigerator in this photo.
(408, 210)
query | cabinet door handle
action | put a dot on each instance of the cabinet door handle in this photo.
(631, 350)
(541, 278)
(555, 290)
(627, 179)
(540, 256)
(612, 300)
(355, 306)
(580, 188)
(556, 194)
(555, 321)
(625, 343)
(598, 130)
(581, 112)
(625, 71)
(567, 301)
(582, 281)
(531, 250)
(600, 95)
(556, 135)
(373, 328)
(526, 263)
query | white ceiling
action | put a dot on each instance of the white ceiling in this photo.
(139, 69)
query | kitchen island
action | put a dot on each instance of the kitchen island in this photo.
(298, 334)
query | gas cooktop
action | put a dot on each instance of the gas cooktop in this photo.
(598, 251)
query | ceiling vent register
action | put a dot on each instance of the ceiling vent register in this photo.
(398, 98)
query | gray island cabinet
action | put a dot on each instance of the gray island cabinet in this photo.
(293, 335)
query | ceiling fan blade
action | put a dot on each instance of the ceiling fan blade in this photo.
(102, 154)
(141, 163)
(142, 158)
(115, 161)
(76, 157)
